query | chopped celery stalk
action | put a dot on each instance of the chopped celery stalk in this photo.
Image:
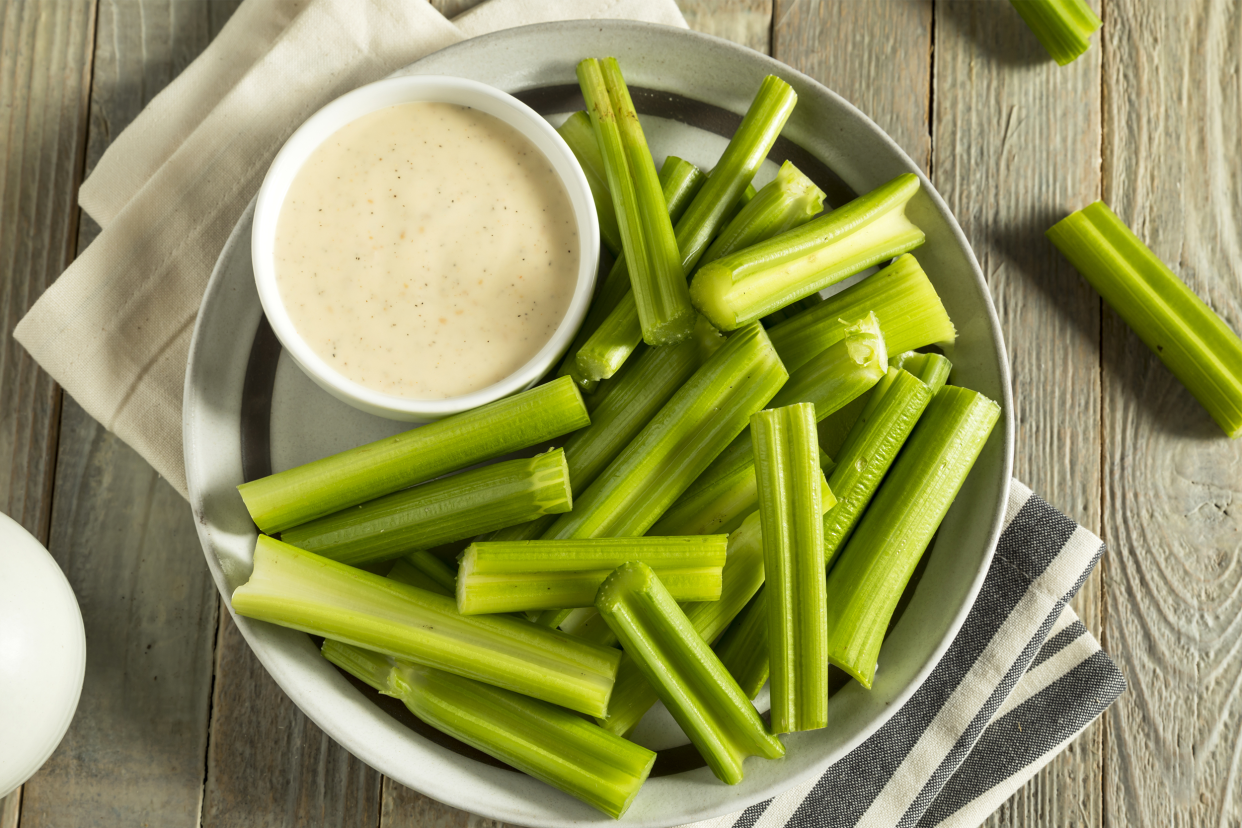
(687, 676)
(422, 568)
(1062, 26)
(725, 492)
(902, 298)
(310, 593)
(1187, 336)
(444, 510)
(663, 297)
(787, 467)
(578, 135)
(868, 452)
(751, 283)
(791, 310)
(611, 344)
(539, 739)
(877, 561)
(681, 440)
(834, 428)
(289, 498)
(743, 650)
(530, 530)
(932, 369)
(552, 618)
(530, 575)
(787, 201)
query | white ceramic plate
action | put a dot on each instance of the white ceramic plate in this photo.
(247, 409)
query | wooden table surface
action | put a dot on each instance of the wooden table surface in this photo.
(178, 724)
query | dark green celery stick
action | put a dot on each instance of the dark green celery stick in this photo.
(751, 283)
(1187, 336)
(301, 494)
(538, 575)
(1062, 26)
(617, 336)
(703, 698)
(444, 510)
(683, 438)
(680, 181)
(306, 592)
(786, 452)
(425, 571)
(539, 739)
(877, 561)
(743, 649)
(902, 298)
(578, 135)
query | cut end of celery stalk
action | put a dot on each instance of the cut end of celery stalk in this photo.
(1062, 26)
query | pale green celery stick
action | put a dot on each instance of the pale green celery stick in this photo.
(791, 310)
(787, 467)
(425, 571)
(1195, 343)
(877, 561)
(743, 650)
(578, 135)
(539, 739)
(1062, 26)
(683, 438)
(444, 510)
(611, 344)
(530, 575)
(552, 618)
(530, 530)
(703, 698)
(301, 494)
(787, 201)
(663, 297)
(680, 181)
(932, 369)
(902, 298)
(751, 283)
(310, 593)
(725, 492)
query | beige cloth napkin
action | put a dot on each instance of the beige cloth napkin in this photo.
(114, 329)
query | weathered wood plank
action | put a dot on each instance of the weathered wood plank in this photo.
(875, 55)
(1172, 482)
(748, 22)
(1017, 146)
(11, 809)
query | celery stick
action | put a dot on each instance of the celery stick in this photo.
(578, 135)
(663, 297)
(787, 201)
(787, 468)
(1194, 342)
(694, 426)
(834, 428)
(751, 283)
(310, 593)
(403, 572)
(530, 575)
(743, 650)
(932, 369)
(552, 618)
(703, 698)
(877, 561)
(680, 181)
(443, 510)
(615, 339)
(902, 298)
(301, 494)
(425, 571)
(1062, 26)
(539, 739)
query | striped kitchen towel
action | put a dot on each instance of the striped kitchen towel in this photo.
(1022, 679)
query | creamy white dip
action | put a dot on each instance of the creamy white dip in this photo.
(426, 250)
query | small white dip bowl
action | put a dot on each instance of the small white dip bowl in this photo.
(349, 108)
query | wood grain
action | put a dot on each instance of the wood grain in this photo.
(1173, 483)
(11, 809)
(748, 22)
(1017, 147)
(875, 55)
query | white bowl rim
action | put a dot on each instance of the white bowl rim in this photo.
(373, 97)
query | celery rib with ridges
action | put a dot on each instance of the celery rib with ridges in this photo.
(425, 571)
(449, 509)
(539, 739)
(751, 283)
(787, 201)
(1186, 334)
(577, 133)
(536, 575)
(682, 439)
(611, 344)
(289, 498)
(703, 698)
(787, 468)
(743, 649)
(1062, 26)
(876, 564)
(306, 592)
(932, 369)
